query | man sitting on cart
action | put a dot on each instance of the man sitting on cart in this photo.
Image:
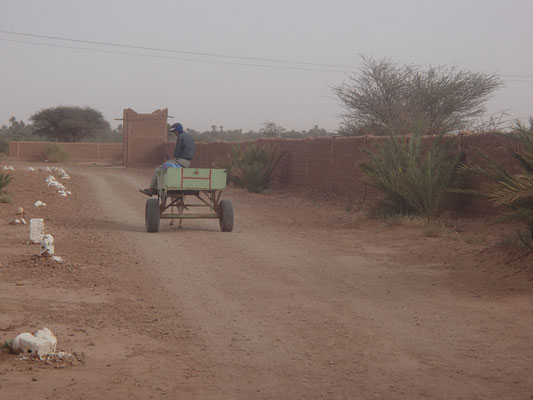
(183, 154)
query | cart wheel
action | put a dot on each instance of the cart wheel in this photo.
(151, 215)
(226, 216)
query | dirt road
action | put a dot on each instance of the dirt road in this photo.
(303, 300)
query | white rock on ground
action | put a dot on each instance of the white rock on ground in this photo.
(36, 230)
(39, 203)
(63, 174)
(31, 169)
(47, 246)
(47, 334)
(42, 343)
(8, 168)
(61, 189)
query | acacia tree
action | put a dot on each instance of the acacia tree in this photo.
(273, 130)
(69, 124)
(383, 97)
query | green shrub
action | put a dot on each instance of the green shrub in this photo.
(8, 345)
(251, 166)
(5, 179)
(513, 191)
(5, 198)
(414, 181)
(4, 146)
(55, 153)
(229, 163)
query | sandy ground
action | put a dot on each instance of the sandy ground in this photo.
(305, 299)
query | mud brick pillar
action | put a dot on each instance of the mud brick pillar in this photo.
(145, 136)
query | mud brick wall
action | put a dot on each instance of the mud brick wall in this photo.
(207, 154)
(332, 164)
(78, 152)
(145, 136)
(324, 164)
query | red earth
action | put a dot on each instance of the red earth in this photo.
(307, 298)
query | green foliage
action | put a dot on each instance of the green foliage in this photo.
(8, 345)
(17, 131)
(228, 163)
(383, 96)
(5, 179)
(251, 166)
(270, 130)
(55, 153)
(273, 130)
(513, 191)
(414, 181)
(70, 124)
(4, 146)
(5, 198)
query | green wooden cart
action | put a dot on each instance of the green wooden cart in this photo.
(176, 186)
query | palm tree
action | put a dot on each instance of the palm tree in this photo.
(513, 191)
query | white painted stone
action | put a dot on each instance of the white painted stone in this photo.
(16, 342)
(47, 246)
(31, 169)
(47, 334)
(29, 344)
(57, 259)
(39, 203)
(61, 189)
(36, 230)
(63, 174)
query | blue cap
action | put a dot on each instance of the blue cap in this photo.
(177, 127)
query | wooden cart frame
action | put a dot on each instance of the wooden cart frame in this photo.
(176, 187)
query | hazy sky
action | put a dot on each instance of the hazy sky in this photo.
(200, 91)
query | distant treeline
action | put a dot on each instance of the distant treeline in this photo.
(103, 133)
(269, 130)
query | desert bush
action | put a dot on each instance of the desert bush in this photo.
(383, 95)
(433, 230)
(512, 191)
(5, 179)
(414, 181)
(4, 146)
(8, 345)
(229, 163)
(251, 166)
(54, 152)
(5, 198)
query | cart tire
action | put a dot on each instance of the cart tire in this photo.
(151, 215)
(226, 216)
